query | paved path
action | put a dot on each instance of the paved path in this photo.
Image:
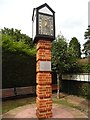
(59, 111)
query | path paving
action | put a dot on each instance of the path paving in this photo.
(59, 111)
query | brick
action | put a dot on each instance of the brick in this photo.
(44, 91)
(46, 114)
(44, 95)
(44, 109)
(43, 44)
(49, 114)
(44, 78)
(43, 54)
(46, 101)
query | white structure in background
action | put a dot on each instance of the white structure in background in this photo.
(77, 77)
(89, 14)
(59, 35)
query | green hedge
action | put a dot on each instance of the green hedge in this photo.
(84, 65)
(76, 88)
(18, 69)
(85, 68)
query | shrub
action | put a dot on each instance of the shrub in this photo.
(76, 88)
(18, 70)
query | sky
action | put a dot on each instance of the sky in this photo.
(71, 16)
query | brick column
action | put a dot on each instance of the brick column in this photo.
(43, 80)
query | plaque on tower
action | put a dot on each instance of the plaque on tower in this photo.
(45, 65)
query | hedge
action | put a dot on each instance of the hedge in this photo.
(18, 69)
(78, 88)
(84, 65)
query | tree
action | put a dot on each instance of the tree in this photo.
(18, 59)
(87, 48)
(63, 59)
(86, 45)
(87, 33)
(75, 47)
(15, 42)
(18, 36)
(59, 56)
(59, 50)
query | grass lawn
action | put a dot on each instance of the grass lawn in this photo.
(65, 103)
(11, 104)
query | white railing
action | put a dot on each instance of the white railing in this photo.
(78, 77)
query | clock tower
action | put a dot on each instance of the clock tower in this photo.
(43, 31)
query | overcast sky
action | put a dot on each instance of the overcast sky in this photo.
(71, 16)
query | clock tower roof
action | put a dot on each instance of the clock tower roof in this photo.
(45, 5)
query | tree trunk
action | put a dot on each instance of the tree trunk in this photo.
(58, 88)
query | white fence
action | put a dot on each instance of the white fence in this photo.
(78, 77)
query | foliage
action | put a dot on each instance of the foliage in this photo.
(17, 36)
(18, 70)
(8, 44)
(63, 58)
(87, 33)
(86, 45)
(59, 59)
(59, 55)
(86, 49)
(16, 42)
(84, 68)
(74, 45)
(72, 62)
(79, 88)
(18, 59)
(84, 65)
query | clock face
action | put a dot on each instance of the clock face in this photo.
(46, 25)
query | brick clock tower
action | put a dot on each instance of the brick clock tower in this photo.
(43, 29)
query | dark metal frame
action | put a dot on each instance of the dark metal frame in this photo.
(41, 36)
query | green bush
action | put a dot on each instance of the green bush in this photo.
(8, 44)
(85, 68)
(18, 59)
(76, 88)
(18, 69)
(85, 90)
